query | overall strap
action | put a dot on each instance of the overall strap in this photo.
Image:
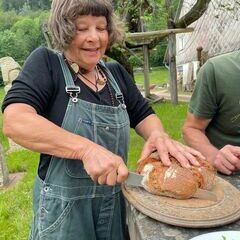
(70, 88)
(110, 77)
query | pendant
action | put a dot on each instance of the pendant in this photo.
(75, 67)
(101, 81)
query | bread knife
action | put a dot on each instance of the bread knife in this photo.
(135, 179)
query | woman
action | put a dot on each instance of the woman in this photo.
(76, 111)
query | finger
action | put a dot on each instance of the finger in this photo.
(122, 173)
(194, 152)
(188, 154)
(163, 148)
(234, 149)
(220, 166)
(230, 157)
(238, 163)
(173, 149)
(93, 177)
(102, 179)
(228, 165)
(147, 150)
(182, 159)
(192, 159)
(224, 170)
(164, 156)
(111, 178)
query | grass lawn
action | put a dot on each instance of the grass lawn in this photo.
(158, 76)
(16, 203)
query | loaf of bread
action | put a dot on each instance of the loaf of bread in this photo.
(175, 181)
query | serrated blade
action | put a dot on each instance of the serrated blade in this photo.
(134, 179)
(205, 194)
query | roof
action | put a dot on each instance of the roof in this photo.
(217, 31)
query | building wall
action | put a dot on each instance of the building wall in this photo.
(217, 31)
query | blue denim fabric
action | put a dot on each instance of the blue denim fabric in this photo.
(68, 205)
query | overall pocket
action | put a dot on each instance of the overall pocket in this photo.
(53, 213)
(74, 168)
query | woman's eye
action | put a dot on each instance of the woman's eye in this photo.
(81, 29)
(101, 29)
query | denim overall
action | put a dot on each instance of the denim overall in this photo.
(68, 205)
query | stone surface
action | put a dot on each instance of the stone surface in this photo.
(4, 176)
(10, 70)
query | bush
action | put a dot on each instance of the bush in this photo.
(158, 53)
(7, 19)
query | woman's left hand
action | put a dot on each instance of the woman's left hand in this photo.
(164, 145)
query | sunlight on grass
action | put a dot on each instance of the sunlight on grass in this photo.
(158, 76)
(172, 118)
(16, 202)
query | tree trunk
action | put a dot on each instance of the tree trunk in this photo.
(172, 53)
(194, 14)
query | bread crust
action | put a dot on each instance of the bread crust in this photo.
(175, 181)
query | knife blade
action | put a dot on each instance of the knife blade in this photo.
(205, 194)
(135, 179)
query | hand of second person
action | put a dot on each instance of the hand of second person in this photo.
(227, 159)
(165, 145)
(103, 166)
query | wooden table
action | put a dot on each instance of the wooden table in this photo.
(143, 227)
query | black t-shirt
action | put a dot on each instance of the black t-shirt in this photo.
(41, 84)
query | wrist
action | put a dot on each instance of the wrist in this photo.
(82, 147)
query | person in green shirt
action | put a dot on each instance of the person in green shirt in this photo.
(212, 125)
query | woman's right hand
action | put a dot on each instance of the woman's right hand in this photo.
(104, 166)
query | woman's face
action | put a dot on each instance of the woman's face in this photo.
(90, 42)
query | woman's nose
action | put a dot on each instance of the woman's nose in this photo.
(92, 35)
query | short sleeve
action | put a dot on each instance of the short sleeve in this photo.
(34, 85)
(203, 102)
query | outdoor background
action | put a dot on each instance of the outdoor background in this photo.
(20, 33)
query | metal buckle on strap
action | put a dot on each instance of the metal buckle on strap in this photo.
(73, 91)
(120, 99)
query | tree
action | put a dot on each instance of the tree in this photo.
(137, 13)
(8, 5)
(7, 19)
(22, 38)
(173, 22)
(17, 5)
(39, 4)
(194, 14)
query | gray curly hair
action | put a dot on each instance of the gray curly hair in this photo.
(64, 13)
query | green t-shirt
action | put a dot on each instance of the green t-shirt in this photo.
(217, 96)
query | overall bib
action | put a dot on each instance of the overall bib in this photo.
(68, 205)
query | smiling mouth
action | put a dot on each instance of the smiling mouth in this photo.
(91, 49)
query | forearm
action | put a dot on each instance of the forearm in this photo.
(38, 134)
(197, 139)
(150, 125)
